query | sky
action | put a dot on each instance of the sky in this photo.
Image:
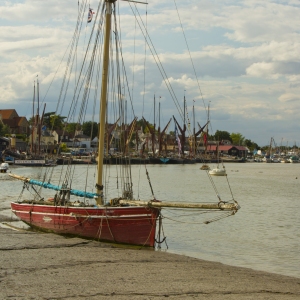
(240, 58)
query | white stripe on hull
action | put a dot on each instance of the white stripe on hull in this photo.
(81, 216)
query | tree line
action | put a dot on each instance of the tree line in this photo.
(89, 128)
(235, 138)
(53, 122)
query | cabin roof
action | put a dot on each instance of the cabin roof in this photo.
(225, 147)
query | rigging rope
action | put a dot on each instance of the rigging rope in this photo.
(190, 57)
(158, 62)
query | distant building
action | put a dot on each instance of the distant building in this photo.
(17, 124)
(232, 150)
(81, 140)
(61, 136)
(225, 142)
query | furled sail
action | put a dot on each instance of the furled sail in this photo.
(55, 187)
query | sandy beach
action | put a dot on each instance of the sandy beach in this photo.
(47, 266)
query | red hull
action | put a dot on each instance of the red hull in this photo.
(124, 225)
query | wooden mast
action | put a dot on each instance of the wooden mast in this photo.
(153, 133)
(103, 97)
(33, 121)
(194, 131)
(206, 140)
(38, 118)
(158, 129)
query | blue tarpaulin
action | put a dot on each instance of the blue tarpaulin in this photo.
(57, 188)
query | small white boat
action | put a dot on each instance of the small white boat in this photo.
(4, 167)
(218, 172)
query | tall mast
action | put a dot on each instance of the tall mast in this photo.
(102, 114)
(153, 134)
(207, 130)
(38, 118)
(194, 130)
(184, 110)
(33, 120)
(158, 129)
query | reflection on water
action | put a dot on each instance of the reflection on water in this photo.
(263, 235)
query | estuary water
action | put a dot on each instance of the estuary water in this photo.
(263, 235)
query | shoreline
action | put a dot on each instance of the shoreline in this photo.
(48, 266)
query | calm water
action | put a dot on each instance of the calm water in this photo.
(263, 235)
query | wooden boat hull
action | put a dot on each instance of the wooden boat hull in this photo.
(123, 225)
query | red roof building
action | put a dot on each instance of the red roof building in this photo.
(17, 124)
(232, 150)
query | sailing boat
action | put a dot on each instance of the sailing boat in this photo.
(35, 158)
(218, 171)
(123, 219)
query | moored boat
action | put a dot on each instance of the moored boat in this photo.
(126, 225)
(4, 167)
(205, 167)
(121, 219)
(218, 172)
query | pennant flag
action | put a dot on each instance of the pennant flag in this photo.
(90, 15)
(177, 139)
(205, 139)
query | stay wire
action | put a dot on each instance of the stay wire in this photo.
(158, 62)
(118, 32)
(196, 76)
(74, 101)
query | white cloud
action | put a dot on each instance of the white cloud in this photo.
(288, 97)
(245, 54)
(261, 69)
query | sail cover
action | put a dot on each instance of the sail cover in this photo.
(57, 188)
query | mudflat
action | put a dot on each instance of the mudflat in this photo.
(47, 266)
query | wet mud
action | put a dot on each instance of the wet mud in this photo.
(47, 266)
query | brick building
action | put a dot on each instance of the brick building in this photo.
(17, 124)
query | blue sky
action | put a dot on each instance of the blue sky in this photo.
(246, 56)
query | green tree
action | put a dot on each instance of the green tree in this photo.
(251, 145)
(222, 135)
(63, 147)
(90, 127)
(31, 121)
(72, 127)
(57, 121)
(4, 129)
(51, 120)
(47, 119)
(140, 124)
(237, 138)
